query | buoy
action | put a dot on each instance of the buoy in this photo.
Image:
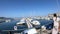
(15, 27)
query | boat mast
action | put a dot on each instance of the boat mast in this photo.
(57, 5)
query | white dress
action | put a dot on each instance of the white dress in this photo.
(56, 24)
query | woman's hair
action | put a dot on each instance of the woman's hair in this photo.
(55, 15)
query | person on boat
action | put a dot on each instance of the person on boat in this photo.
(56, 24)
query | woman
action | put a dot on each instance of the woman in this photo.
(56, 24)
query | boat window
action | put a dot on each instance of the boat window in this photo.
(24, 24)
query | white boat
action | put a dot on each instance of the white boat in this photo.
(30, 30)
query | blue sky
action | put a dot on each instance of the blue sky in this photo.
(21, 8)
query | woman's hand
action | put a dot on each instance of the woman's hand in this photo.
(55, 27)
